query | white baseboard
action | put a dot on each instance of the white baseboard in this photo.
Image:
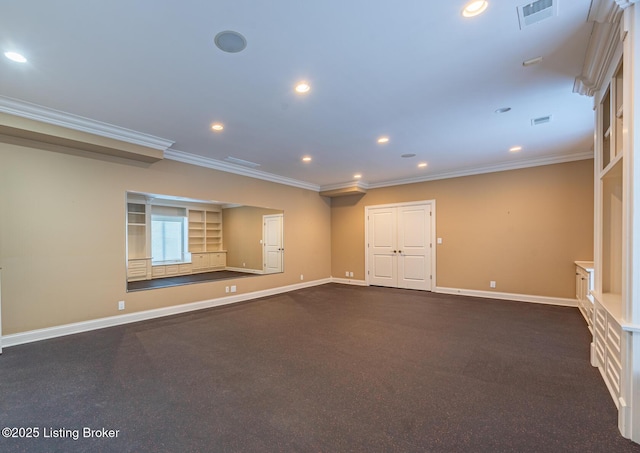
(245, 270)
(349, 281)
(94, 324)
(508, 296)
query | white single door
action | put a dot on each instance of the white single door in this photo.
(272, 241)
(382, 246)
(414, 234)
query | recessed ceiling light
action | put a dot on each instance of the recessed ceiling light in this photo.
(422, 165)
(15, 56)
(302, 87)
(306, 159)
(408, 155)
(383, 140)
(502, 110)
(357, 176)
(475, 8)
(230, 41)
(532, 61)
(515, 149)
(217, 127)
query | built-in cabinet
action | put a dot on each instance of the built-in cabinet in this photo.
(139, 261)
(615, 324)
(204, 239)
(584, 287)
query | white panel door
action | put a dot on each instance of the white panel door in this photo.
(399, 246)
(383, 259)
(272, 241)
(414, 233)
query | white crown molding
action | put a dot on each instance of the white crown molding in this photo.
(215, 164)
(345, 185)
(626, 3)
(605, 15)
(78, 123)
(488, 169)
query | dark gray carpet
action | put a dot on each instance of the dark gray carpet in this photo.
(186, 279)
(333, 368)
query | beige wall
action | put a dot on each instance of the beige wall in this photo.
(242, 235)
(521, 228)
(62, 233)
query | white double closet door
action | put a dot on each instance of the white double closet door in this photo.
(399, 246)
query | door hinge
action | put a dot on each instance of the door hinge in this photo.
(430, 277)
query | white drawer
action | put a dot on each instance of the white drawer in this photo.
(158, 271)
(138, 264)
(173, 269)
(137, 272)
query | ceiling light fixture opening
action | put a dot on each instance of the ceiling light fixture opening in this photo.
(383, 140)
(217, 127)
(230, 41)
(515, 149)
(502, 110)
(303, 87)
(422, 165)
(306, 159)
(408, 155)
(475, 8)
(15, 56)
(357, 176)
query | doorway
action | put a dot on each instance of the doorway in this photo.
(399, 246)
(272, 241)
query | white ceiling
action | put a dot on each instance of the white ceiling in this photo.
(416, 71)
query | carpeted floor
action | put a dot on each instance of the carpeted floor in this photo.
(333, 368)
(186, 279)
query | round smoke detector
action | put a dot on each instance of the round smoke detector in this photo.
(230, 41)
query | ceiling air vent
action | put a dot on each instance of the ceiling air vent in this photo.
(535, 12)
(540, 120)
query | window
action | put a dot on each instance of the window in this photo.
(168, 236)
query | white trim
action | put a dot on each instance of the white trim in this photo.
(508, 296)
(432, 227)
(79, 123)
(488, 169)
(244, 270)
(79, 327)
(112, 321)
(215, 164)
(345, 185)
(349, 281)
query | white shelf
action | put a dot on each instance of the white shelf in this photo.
(612, 169)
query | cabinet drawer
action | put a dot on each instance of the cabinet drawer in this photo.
(158, 271)
(138, 264)
(613, 337)
(137, 272)
(613, 373)
(173, 269)
(185, 268)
